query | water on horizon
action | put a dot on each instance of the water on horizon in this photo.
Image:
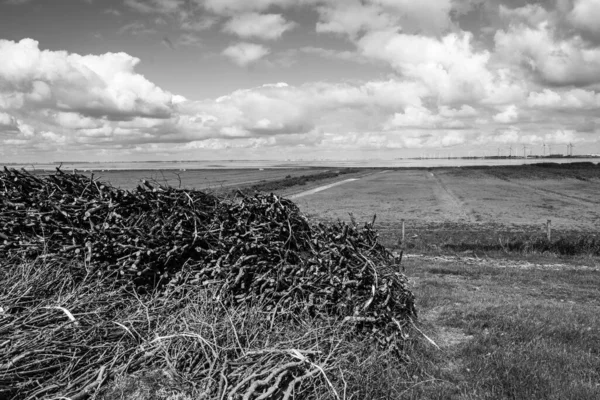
(252, 164)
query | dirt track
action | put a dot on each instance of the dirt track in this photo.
(449, 200)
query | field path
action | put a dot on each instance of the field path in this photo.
(325, 187)
(321, 188)
(449, 200)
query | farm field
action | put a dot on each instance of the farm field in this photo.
(505, 329)
(207, 179)
(470, 196)
(502, 312)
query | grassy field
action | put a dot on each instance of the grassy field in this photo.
(487, 209)
(503, 313)
(506, 330)
(471, 195)
(523, 324)
(207, 179)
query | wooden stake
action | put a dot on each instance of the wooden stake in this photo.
(402, 231)
(549, 229)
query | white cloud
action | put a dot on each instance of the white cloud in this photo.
(27, 130)
(561, 136)
(7, 122)
(423, 16)
(261, 26)
(355, 17)
(508, 116)
(556, 61)
(464, 111)
(569, 99)
(414, 117)
(352, 18)
(531, 14)
(449, 67)
(586, 16)
(53, 137)
(244, 53)
(92, 85)
(71, 120)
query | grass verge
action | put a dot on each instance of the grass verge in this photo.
(490, 240)
(291, 181)
(507, 333)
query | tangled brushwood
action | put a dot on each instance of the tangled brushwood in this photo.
(95, 263)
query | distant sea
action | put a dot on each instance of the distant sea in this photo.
(257, 164)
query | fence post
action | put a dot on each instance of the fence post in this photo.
(402, 230)
(549, 229)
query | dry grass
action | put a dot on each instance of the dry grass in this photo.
(181, 335)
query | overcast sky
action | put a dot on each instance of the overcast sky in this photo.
(289, 79)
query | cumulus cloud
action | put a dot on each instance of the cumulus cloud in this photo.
(570, 99)
(414, 117)
(449, 66)
(261, 26)
(7, 122)
(508, 116)
(530, 14)
(585, 16)
(552, 60)
(100, 86)
(561, 136)
(423, 16)
(244, 53)
(464, 111)
(353, 18)
(444, 86)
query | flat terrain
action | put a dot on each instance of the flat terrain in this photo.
(496, 321)
(515, 197)
(505, 329)
(449, 207)
(207, 179)
(473, 196)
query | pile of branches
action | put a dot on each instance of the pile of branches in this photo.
(245, 251)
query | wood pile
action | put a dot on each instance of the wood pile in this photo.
(248, 250)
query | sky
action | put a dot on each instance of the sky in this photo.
(134, 80)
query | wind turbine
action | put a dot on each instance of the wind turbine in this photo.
(544, 145)
(571, 149)
(510, 151)
(524, 151)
